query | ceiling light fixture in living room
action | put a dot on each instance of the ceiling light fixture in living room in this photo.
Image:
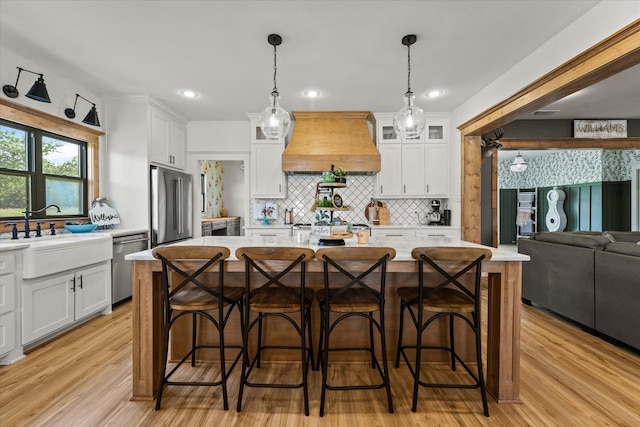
(519, 164)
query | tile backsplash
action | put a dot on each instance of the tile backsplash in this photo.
(357, 194)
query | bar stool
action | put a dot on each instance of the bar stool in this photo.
(190, 287)
(267, 295)
(450, 299)
(353, 299)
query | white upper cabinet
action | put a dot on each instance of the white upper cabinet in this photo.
(413, 168)
(267, 179)
(167, 138)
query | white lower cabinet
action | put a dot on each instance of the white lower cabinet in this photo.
(438, 232)
(268, 232)
(53, 302)
(405, 233)
(7, 333)
(8, 312)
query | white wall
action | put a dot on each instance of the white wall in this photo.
(61, 91)
(218, 137)
(594, 26)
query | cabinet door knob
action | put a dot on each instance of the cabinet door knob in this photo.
(73, 284)
(80, 281)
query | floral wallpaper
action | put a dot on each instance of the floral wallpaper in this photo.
(213, 178)
(569, 167)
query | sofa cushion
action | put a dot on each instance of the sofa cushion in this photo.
(592, 241)
(625, 248)
(625, 236)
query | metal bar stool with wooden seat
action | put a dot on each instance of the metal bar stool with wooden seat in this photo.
(275, 288)
(353, 298)
(449, 298)
(190, 286)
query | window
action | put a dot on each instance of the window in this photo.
(38, 168)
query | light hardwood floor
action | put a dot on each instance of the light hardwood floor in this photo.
(569, 378)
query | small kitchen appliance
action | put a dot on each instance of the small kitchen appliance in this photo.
(435, 216)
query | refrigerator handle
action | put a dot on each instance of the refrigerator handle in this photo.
(179, 205)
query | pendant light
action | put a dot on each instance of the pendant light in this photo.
(38, 91)
(409, 122)
(519, 164)
(274, 120)
(92, 116)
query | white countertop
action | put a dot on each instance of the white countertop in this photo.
(402, 246)
(287, 226)
(22, 243)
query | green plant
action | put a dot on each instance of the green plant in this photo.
(322, 218)
(324, 203)
(340, 172)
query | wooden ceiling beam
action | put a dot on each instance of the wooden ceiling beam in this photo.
(568, 143)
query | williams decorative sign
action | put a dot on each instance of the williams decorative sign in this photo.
(599, 128)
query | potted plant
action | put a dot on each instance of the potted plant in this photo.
(340, 175)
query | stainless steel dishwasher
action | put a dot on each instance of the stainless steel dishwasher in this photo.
(121, 269)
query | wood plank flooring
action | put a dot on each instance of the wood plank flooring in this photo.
(83, 378)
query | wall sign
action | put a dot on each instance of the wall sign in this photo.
(599, 128)
(337, 201)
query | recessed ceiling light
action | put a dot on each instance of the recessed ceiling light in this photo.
(187, 93)
(311, 93)
(434, 93)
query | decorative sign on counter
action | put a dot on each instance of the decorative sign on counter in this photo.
(102, 214)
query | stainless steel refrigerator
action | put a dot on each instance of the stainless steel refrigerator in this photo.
(171, 206)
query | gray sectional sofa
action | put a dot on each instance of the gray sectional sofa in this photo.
(592, 278)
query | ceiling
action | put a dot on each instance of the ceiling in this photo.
(350, 51)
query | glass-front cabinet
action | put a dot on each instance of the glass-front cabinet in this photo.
(267, 179)
(413, 168)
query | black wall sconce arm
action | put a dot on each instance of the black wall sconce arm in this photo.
(37, 92)
(92, 116)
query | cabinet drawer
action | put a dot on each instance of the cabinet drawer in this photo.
(438, 233)
(7, 293)
(269, 233)
(7, 333)
(7, 263)
(393, 233)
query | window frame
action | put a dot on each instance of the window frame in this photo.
(36, 196)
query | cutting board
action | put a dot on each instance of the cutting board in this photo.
(371, 204)
(384, 215)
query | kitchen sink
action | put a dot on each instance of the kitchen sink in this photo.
(57, 254)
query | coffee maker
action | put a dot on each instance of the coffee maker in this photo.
(435, 216)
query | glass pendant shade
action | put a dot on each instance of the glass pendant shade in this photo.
(275, 121)
(410, 120)
(39, 91)
(519, 164)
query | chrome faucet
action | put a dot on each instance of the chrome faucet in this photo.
(27, 230)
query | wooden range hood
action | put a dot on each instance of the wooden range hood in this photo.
(323, 138)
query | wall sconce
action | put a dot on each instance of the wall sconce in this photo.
(409, 122)
(92, 116)
(38, 91)
(519, 164)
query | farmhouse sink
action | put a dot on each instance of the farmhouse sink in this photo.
(57, 254)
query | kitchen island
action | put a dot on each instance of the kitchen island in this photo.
(503, 318)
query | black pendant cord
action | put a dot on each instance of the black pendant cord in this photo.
(275, 93)
(409, 92)
(274, 40)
